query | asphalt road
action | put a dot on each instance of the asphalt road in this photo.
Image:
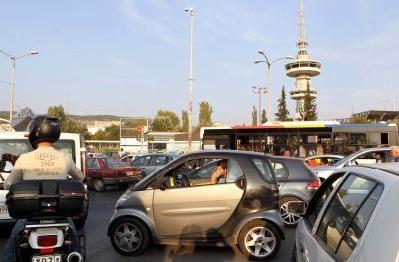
(99, 247)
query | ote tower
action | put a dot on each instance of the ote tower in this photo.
(302, 68)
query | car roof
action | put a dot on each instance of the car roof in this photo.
(372, 149)
(225, 153)
(385, 175)
(23, 135)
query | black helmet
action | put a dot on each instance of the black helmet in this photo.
(44, 128)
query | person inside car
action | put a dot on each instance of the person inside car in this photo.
(220, 174)
(378, 158)
(44, 163)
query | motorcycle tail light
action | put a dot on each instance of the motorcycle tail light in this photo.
(313, 185)
(47, 241)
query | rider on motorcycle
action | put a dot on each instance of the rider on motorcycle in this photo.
(44, 163)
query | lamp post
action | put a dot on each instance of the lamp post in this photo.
(269, 63)
(259, 91)
(13, 60)
(190, 12)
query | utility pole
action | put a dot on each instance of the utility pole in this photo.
(13, 60)
(259, 91)
(190, 11)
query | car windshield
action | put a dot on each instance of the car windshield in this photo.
(114, 162)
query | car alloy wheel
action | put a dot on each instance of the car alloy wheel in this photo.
(99, 185)
(129, 236)
(259, 240)
(289, 219)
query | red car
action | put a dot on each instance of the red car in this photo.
(106, 171)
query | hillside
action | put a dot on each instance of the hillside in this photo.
(80, 118)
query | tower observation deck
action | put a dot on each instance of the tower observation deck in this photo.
(303, 68)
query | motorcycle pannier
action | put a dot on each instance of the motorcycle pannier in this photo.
(44, 198)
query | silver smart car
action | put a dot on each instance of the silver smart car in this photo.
(218, 198)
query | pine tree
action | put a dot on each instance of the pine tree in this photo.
(309, 110)
(264, 117)
(282, 113)
(254, 116)
(184, 119)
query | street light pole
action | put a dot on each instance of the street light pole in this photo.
(190, 11)
(269, 64)
(259, 91)
(13, 61)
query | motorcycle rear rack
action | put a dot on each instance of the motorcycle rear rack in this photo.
(64, 225)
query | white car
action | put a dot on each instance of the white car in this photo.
(13, 144)
(361, 157)
(352, 217)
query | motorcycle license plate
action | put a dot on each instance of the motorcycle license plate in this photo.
(52, 258)
(3, 209)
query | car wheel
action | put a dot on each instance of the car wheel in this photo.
(289, 219)
(129, 236)
(99, 185)
(259, 240)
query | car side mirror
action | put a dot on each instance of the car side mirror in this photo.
(6, 166)
(240, 183)
(296, 207)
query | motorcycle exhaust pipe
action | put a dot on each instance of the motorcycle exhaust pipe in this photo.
(74, 257)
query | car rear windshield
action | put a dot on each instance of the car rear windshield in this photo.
(264, 169)
(11, 149)
(113, 162)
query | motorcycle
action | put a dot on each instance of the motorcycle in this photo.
(45, 207)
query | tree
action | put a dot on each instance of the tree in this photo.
(205, 114)
(360, 120)
(282, 113)
(58, 112)
(264, 117)
(254, 116)
(184, 119)
(67, 125)
(111, 132)
(165, 121)
(308, 112)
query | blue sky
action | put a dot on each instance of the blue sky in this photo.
(130, 57)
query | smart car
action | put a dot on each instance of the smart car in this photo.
(183, 203)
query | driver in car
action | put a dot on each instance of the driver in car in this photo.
(44, 163)
(220, 174)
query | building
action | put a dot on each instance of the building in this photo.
(376, 116)
(95, 126)
(303, 68)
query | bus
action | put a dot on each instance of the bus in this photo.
(300, 138)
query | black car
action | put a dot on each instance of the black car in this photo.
(207, 198)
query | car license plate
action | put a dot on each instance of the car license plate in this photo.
(3, 210)
(53, 258)
(130, 173)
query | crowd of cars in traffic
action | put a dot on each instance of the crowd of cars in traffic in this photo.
(341, 206)
(174, 195)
